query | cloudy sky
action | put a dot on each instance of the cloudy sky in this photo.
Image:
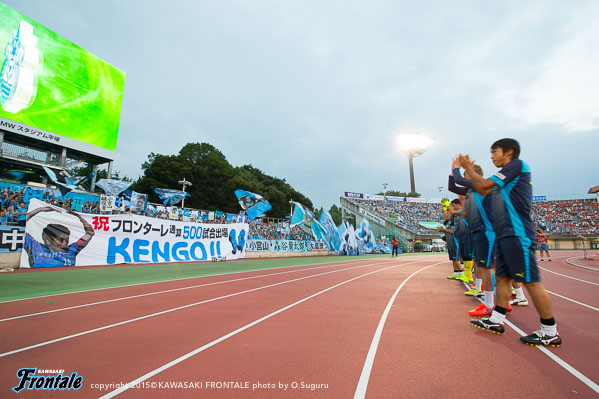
(316, 92)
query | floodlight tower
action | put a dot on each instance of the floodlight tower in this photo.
(184, 183)
(414, 145)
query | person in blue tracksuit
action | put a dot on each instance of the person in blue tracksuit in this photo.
(516, 239)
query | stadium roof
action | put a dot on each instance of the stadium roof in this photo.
(593, 190)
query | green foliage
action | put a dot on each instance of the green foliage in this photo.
(335, 212)
(214, 180)
(87, 168)
(400, 194)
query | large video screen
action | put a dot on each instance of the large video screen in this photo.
(59, 91)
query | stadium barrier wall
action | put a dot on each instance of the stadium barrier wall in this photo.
(12, 237)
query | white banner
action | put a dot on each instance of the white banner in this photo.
(374, 197)
(414, 199)
(55, 237)
(106, 203)
(371, 215)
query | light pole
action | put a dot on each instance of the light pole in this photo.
(385, 191)
(184, 183)
(414, 145)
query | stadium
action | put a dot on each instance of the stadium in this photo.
(205, 279)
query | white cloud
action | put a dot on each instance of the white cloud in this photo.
(565, 91)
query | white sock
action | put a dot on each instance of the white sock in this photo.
(489, 300)
(549, 330)
(519, 293)
(497, 317)
(478, 283)
(456, 273)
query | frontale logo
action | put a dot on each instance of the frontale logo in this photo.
(30, 380)
(18, 78)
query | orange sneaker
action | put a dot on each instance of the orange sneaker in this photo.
(481, 311)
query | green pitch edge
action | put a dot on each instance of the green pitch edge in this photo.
(51, 282)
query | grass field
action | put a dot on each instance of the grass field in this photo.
(34, 283)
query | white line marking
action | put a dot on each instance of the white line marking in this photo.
(175, 309)
(229, 335)
(369, 362)
(572, 300)
(162, 292)
(564, 275)
(587, 381)
(571, 262)
(168, 280)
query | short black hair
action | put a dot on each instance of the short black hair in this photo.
(54, 229)
(506, 145)
(456, 201)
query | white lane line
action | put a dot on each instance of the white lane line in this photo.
(553, 356)
(167, 281)
(587, 381)
(163, 292)
(64, 338)
(231, 334)
(369, 362)
(564, 275)
(572, 300)
(571, 262)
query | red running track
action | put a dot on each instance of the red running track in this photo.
(305, 332)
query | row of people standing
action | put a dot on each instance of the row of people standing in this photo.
(490, 228)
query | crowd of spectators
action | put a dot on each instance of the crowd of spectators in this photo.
(568, 217)
(571, 217)
(406, 214)
(14, 204)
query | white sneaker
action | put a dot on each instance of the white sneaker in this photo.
(519, 302)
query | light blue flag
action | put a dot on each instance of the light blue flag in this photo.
(254, 205)
(301, 216)
(304, 219)
(67, 184)
(365, 234)
(113, 187)
(171, 197)
(331, 234)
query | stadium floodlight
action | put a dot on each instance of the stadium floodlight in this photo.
(184, 183)
(414, 145)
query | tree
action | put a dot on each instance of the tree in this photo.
(335, 212)
(399, 194)
(214, 180)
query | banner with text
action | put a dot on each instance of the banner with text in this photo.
(55, 237)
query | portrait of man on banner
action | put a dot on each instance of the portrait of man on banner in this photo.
(53, 249)
(138, 202)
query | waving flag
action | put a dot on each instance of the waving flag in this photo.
(366, 236)
(305, 220)
(171, 197)
(67, 184)
(113, 187)
(254, 205)
(331, 234)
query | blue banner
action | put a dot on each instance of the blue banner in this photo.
(66, 184)
(11, 238)
(258, 246)
(113, 187)
(538, 198)
(254, 205)
(171, 197)
(365, 235)
(331, 234)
